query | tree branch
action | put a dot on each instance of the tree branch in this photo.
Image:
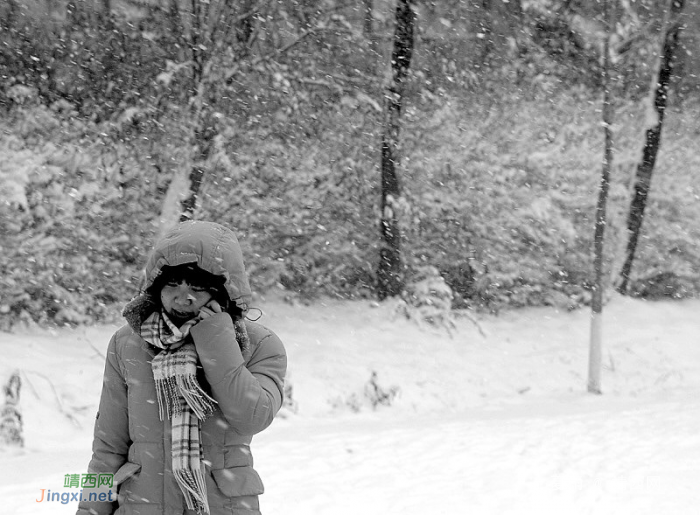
(228, 77)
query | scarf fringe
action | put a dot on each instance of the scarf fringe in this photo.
(192, 484)
(170, 391)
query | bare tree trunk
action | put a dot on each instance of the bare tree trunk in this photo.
(204, 125)
(390, 270)
(596, 340)
(645, 168)
(209, 21)
(204, 141)
(189, 204)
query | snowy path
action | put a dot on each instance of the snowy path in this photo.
(593, 457)
(584, 455)
(484, 426)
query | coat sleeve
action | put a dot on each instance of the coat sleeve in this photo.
(249, 395)
(111, 441)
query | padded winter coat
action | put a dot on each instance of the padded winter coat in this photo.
(132, 442)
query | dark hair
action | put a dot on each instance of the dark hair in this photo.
(191, 274)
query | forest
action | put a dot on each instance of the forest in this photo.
(449, 153)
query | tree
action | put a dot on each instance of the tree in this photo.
(595, 351)
(213, 30)
(645, 168)
(226, 43)
(389, 272)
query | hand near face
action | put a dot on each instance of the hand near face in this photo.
(211, 308)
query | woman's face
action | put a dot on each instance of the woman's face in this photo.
(182, 301)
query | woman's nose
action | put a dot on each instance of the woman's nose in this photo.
(184, 295)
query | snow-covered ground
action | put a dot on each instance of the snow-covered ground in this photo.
(495, 424)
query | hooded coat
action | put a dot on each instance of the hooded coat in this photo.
(130, 440)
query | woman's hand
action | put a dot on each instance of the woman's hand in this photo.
(210, 309)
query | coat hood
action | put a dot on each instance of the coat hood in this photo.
(213, 247)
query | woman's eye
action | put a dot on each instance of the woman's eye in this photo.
(199, 290)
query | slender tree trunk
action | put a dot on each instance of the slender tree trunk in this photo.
(204, 141)
(645, 168)
(596, 341)
(208, 21)
(390, 270)
(189, 204)
(204, 130)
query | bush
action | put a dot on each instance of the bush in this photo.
(499, 197)
(71, 242)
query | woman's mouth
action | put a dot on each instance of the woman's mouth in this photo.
(181, 315)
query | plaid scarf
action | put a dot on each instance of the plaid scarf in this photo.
(179, 398)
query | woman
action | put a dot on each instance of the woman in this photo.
(187, 383)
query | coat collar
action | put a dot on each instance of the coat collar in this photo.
(139, 309)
